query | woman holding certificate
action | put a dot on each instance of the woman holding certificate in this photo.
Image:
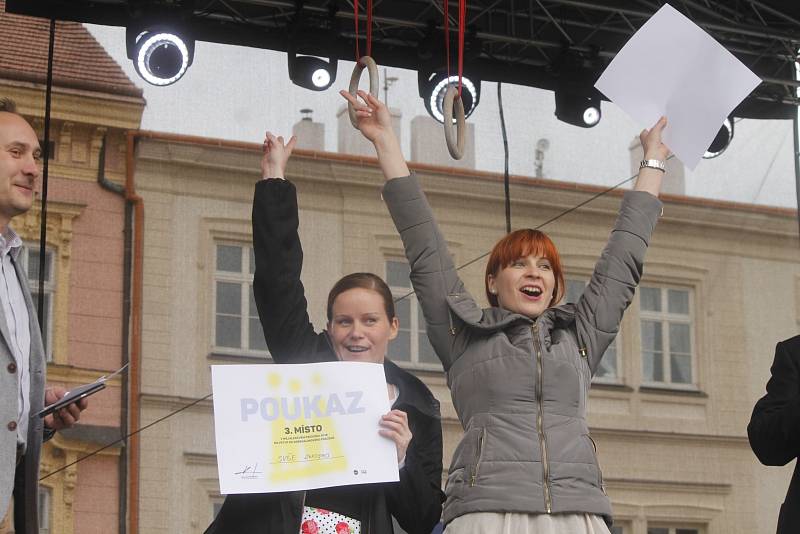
(361, 323)
(519, 372)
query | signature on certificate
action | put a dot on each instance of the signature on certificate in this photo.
(250, 472)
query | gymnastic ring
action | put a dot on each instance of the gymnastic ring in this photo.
(455, 142)
(372, 69)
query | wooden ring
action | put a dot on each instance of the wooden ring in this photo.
(455, 141)
(372, 69)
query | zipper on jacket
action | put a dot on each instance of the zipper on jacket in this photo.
(597, 461)
(540, 421)
(473, 477)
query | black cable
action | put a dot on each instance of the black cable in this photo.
(104, 447)
(398, 299)
(506, 186)
(43, 227)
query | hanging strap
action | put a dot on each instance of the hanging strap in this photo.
(462, 17)
(369, 28)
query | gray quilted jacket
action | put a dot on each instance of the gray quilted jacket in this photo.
(520, 386)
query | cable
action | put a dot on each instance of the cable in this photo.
(45, 167)
(506, 185)
(104, 447)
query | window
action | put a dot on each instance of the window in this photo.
(666, 322)
(671, 530)
(45, 495)
(30, 263)
(411, 344)
(237, 328)
(608, 370)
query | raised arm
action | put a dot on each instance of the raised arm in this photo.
(774, 429)
(433, 274)
(617, 273)
(278, 291)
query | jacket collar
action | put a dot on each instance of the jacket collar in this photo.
(412, 391)
(494, 318)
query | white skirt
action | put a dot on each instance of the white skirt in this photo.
(511, 523)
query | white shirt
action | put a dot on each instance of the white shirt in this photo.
(18, 323)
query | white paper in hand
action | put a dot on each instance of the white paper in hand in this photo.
(672, 67)
(300, 426)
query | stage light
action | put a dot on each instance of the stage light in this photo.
(721, 141)
(433, 87)
(579, 108)
(160, 55)
(312, 72)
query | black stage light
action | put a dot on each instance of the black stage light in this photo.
(579, 108)
(160, 54)
(721, 141)
(312, 72)
(433, 87)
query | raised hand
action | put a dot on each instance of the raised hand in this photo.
(653, 147)
(374, 119)
(276, 155)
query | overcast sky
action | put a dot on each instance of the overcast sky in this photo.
(236, 93)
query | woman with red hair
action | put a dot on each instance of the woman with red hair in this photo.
(519, 372)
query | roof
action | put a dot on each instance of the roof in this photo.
(80, 62)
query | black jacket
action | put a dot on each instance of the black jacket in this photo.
(416, 500)
(774, 428)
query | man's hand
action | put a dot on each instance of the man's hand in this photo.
(276, 155)
(67, 416)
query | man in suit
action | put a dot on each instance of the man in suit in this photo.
(774, 428)
(22, 360)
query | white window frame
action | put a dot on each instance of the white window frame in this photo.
(245, 279)
(45, 509)
(672, 528)
(414, 318)
(666, 318)
(619, 379)
(49, 289)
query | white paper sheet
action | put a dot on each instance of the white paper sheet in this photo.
(672, 67)
(301, 426)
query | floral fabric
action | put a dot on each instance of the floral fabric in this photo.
(321, 521)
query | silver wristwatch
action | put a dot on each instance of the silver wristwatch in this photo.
(653, 164)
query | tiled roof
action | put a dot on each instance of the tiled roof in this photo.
(80, 62)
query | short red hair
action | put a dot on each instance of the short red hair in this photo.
(520, 244)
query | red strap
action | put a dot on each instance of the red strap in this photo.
(355, 19)
(462, 22)
(369, 28)
(447, 36)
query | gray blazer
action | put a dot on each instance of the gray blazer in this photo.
(26, 512)
(520, 386)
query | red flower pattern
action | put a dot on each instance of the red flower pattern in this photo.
(342, 528)
(309, 527)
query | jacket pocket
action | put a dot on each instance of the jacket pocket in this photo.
(600, 482)
(476, 466)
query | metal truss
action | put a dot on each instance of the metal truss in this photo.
(527, 42)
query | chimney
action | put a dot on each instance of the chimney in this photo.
(675, 181)
(428, 144)
(310, 134)
(351, 141)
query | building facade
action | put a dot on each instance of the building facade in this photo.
(93, 105)
(669, 408)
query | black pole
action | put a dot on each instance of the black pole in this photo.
(46, 152)
(506, 186)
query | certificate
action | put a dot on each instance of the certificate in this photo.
(300, 426)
